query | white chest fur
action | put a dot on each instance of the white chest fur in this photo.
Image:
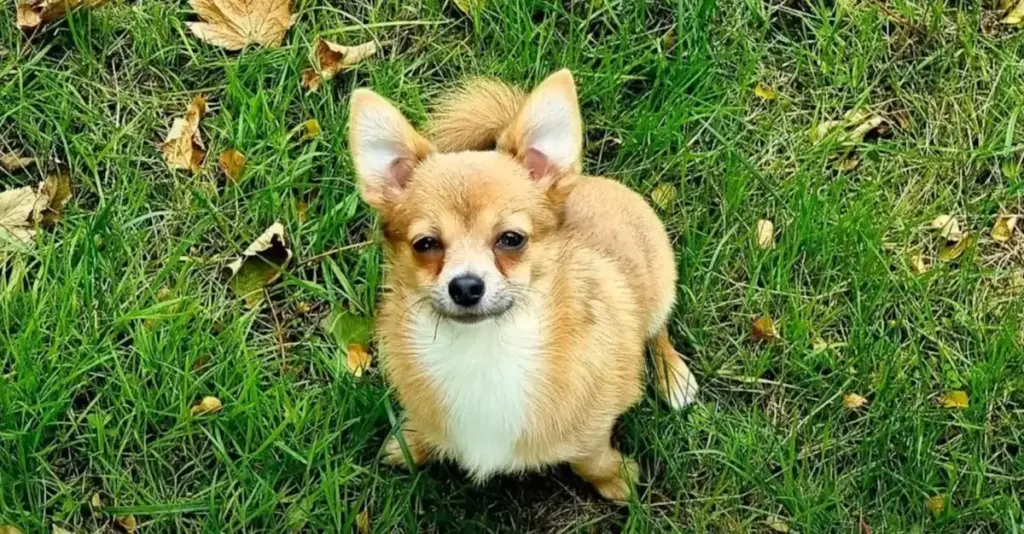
(485, 374)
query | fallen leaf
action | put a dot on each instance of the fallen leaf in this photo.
(9, 529)
(14, 163)
(260, 265)
(764, 329)
(669, 39)
(470, 6)
(59, 530)
(311, 129)
(127, 523)
(954, 249)
(206, 406)
(302, 211)
(232, 164)
(764, 92)
(936, 503)
(1003, 229)
(183, 148)
(34, 13)
(233, 24)
(1016, 15)
(776, 524)
(51, 198)
(16, 209)
(954, 399)
(363, 522)
(357, 359)
(819, 344)
(822, 130)
(917, 264)
(348, 328)
(948, 227)
(765, 234)
(853, 401)
(331, 58)
(856, 124)
(866, 126)
(849, 164)
(96, 501)
(664, 195)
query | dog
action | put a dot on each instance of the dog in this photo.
(522, 293)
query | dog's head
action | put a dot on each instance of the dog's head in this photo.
(469, 232)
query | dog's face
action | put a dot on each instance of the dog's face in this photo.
(469, 232)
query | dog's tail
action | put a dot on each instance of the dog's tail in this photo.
(473, 116)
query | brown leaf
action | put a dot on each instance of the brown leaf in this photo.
(206, 406)
(936, 503)
(363, 522)
(233, 24)
(764, 92)
(1016, 15)
(16, 209)
(260, 265)
(232, 164)
(358, 359)
(954, 399)
(332, 58)
(183, 148)
(664, 195)
(127, 523)
(53, 194)
(1003, 229)
(311, 129)
(764, 329)
(765, 234)
(853, 401)
(14, 163)
(34, 13)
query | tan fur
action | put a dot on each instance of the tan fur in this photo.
(598, 265)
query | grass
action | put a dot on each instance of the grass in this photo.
(98, 372)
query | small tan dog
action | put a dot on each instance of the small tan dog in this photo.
(521, 292)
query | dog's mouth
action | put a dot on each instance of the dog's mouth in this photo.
(473, 316)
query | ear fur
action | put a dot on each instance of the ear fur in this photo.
(547, 134)
(385, 147)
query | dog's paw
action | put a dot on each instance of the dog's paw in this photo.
(677, 385)
(618, 489)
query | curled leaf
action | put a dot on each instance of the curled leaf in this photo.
(1015, 17)
(363, 522)
(357, 359)
(853, 401)
(14, 163)
(777, 524)
(16, 210)
(664, 195)
(332, 58)
(311, 129)
(233, 24)
(954, 249)
(9, 529)
(917, 264)
(232, 164)
(260, 265)
(948, 227)
(32, 14)
(765, 234)
(183, 148)
(1003, 229)
(51, 198)
(207, 405)
(764, 92)
(954, 399)
(127, 523)
(764, 329)
(936, 504)
(470, 6)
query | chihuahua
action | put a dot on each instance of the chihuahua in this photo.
(521, 293)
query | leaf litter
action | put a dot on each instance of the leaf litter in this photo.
(260, 265)
(183, 148)
(235, 24)
(330, 58)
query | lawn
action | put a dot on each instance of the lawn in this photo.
(118, 320)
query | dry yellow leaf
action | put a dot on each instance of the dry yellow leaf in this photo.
(260, 265)
(9, 529)
(948, 227)
(852, 401)
(764, 329)
(777, 524)
(59, 530)
(34, 13)
(764, 92)
(470, 6)
(765, 234)
(664, 195)
(818, 344)
(233, 24)
(183, 148)
(936, 504)
(207, 405)
(14, 163)
(302, 211)
(232, 164)
(954, 399)
(1016, 15)
(1003, 229)
(849, 164)
(363, 522)
(311, 129)
(954, 249)
(358, 359)
(332, 58)
(127, 522)
(917, 264)
(17, 207)
(96, 501)
(51, 197)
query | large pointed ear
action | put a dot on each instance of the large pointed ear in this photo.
(547, 134)
(385, 148)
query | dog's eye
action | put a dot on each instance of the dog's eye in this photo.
(426, 244)
(511, 240)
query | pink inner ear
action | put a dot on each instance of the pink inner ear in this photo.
(538, 164)
(400, 172)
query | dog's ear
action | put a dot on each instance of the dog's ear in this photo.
(385, 148)
(547, 134)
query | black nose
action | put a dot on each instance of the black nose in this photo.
(466, 289)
